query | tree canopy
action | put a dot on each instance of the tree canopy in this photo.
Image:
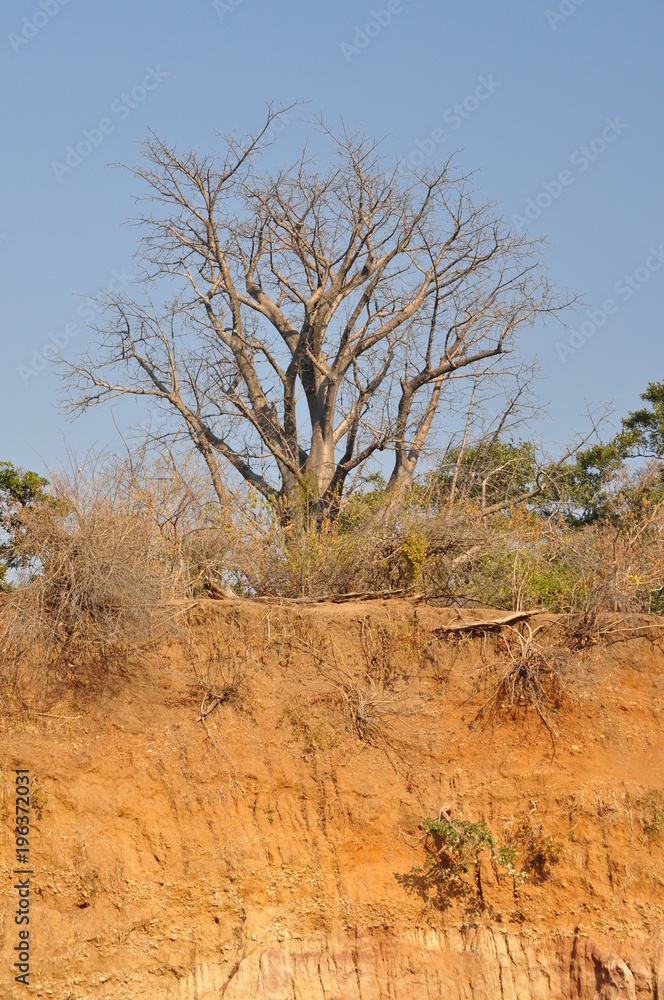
(18, 491)
(299, 322)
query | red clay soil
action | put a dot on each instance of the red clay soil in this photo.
(268, 851)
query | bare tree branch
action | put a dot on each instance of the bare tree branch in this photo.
(318, 316)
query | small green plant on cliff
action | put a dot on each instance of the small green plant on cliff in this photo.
(452, 846)
(506, 857)
(453, 850)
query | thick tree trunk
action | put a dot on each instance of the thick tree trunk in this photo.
(321, 464)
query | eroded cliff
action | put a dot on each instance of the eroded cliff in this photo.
(276, 849)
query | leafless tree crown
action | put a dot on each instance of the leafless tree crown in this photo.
(297, 323)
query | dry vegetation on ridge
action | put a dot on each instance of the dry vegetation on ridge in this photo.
(111, 560)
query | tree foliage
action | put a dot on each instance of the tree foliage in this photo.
(642, 434)
(19, 490)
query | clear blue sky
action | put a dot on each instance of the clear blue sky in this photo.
(554, 72)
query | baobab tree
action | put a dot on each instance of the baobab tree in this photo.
(296, 323)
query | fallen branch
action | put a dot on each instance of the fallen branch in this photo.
(360, 595)
(516, 616)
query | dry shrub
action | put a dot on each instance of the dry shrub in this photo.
(380, 542)
(378, 647)
(620, 565)
(514, 559)
(530, 674)
(101, 584)
(222, 669)
(270, 556)
(178, 500)
(374, 709)
(279, 550)
(520, 560)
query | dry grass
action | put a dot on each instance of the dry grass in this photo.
(530, 675)
(101, 589)
(375, 697)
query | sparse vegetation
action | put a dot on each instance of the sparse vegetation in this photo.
(537, 851)
(39, 798)
(530, 674)
(103, 561)
(314, 732)
(221, 669)
(653, 815)
(374, 700)
(454, 849)
(99, 586)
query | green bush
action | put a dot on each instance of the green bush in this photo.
(19, 491)
(452, 846)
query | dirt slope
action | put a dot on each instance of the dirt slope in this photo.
(271, 856)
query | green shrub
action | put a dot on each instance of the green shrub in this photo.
(19, 491)
(452, 846)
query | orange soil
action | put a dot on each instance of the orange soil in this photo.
(167, 860)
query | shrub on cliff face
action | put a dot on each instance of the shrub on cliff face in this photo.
(453, 846)
(454, 849)
(453, 852)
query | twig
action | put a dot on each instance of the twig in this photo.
(47, 715)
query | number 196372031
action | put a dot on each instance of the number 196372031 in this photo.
(22, 830)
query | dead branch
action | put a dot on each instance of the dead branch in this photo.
(488, 623)
(362, 294)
